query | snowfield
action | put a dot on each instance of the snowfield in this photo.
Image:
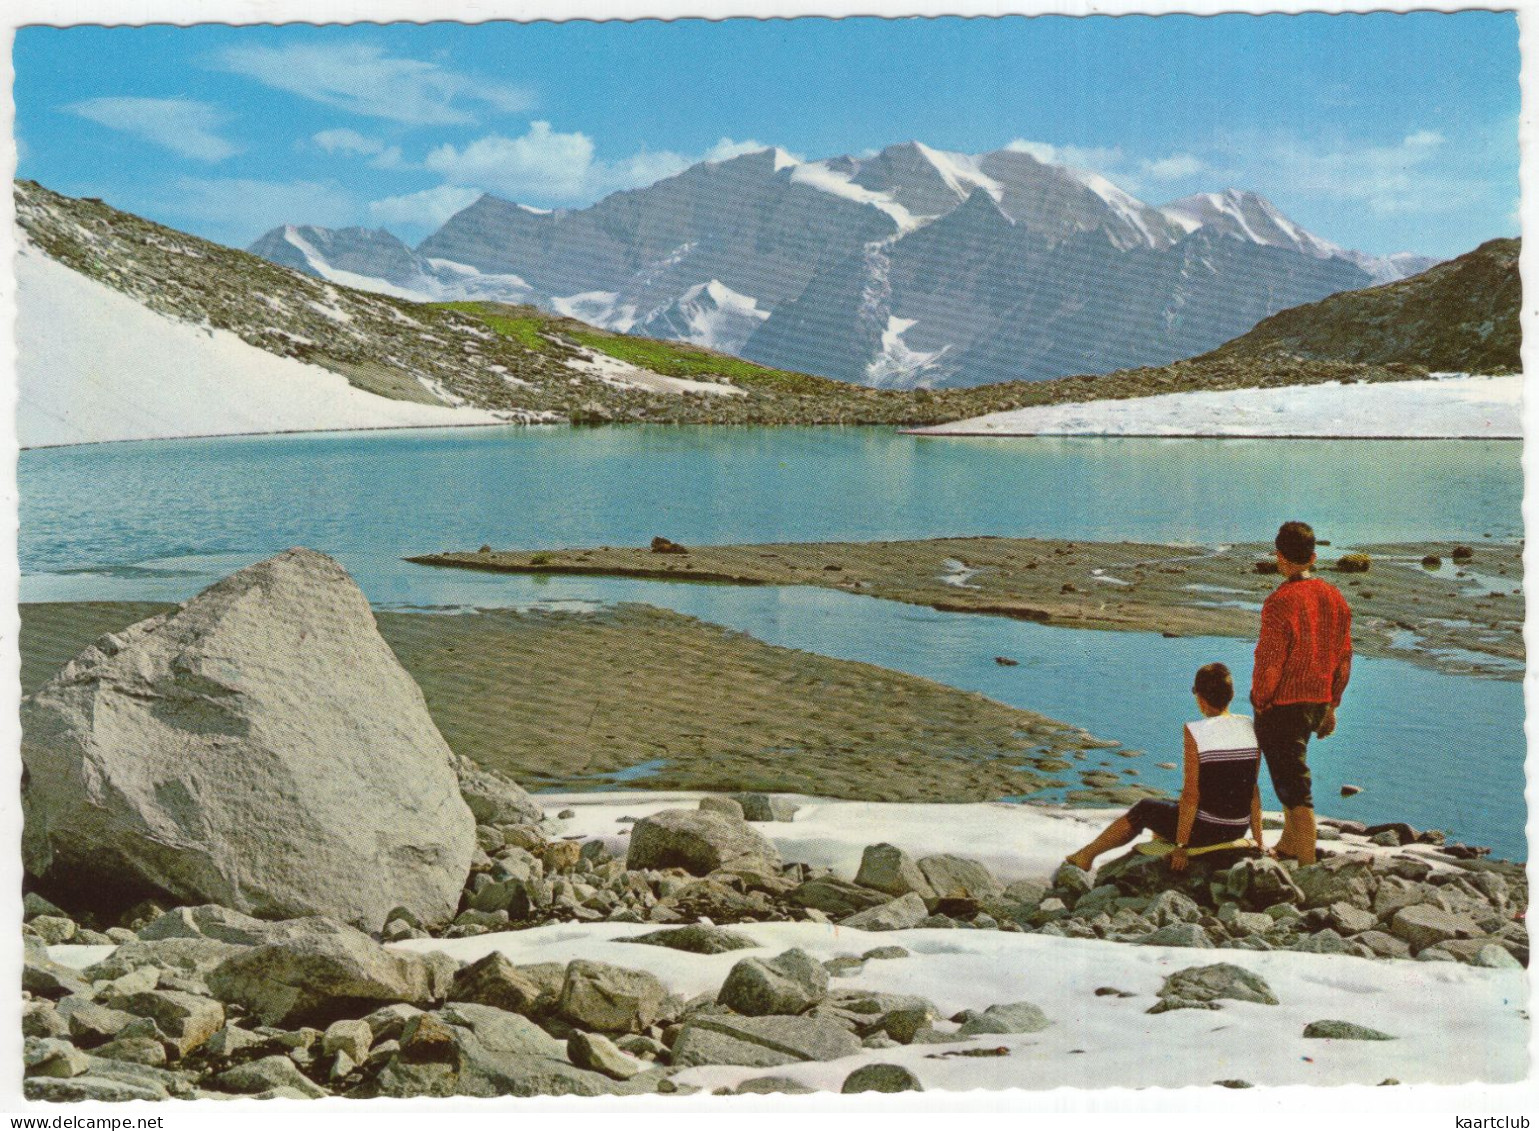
(1453, 1023)
(94, 366)
(1444, 407)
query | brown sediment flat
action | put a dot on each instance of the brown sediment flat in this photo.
(566, 699)
(1442, 618)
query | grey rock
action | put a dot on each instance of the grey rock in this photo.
(497, 982)
(89, 1022)
(1384, 945)
(771, 1085)
(835, 897)
(493, 798)
(1343, 1031)
(1423, 925)
(698, 842)
(50, 1056)
(760, 1042)
(1179, 934)
(1395, 892)
(1495, 957)
(1073, 881)
(1220, 980)
(328, 971)
(697, 938)
(1341, 879)
(264, 1074)
(189, 956)
(1018, 1017)
(351, 1036)
(953, 876)
(902, 913)
(39, 1018)
(1169, 907)
(597, 1052)
(792, 982)
(135, 1050)
(500, 1031)
(1324, 942)
(231, 1040)
(1261, 883)
(89, 1087)
(724, 805)
(33, 905)
(1351, 920)
(887, 868)
(41, 976)
(55, 930)
(610, 999)
(765, 807)
(885, 952)
(881, 1078)
(260, 748)
(185, 1020)
(211, 922)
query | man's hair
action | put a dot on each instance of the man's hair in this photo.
(1214, 684)
(1296, 542)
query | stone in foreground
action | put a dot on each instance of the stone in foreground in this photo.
(881, 1078)
(260, 748)
(761, 1042)
(330, 972)
(1344, 1031)
(700, 842)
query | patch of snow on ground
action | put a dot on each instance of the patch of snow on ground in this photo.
(1453, 1023)
(622, 374)
(93, 366)
(1451, 407)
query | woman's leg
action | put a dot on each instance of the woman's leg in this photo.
(1116, 834)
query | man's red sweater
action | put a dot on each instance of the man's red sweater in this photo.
(1305, 651)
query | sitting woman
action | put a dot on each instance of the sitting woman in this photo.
(1219, 795)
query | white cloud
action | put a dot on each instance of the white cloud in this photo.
(181, 125)
(1096, 159)
(347, 141)
(1404, 177)
(1175, 167)
(362, 79)
(542, 163)
(547, 164)
(237, 210)
(354, 144)
(428, 208)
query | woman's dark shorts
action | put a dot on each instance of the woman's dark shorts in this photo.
(1283, 733)
(1160, 818)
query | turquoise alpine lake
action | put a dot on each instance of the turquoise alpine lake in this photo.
(161, 520)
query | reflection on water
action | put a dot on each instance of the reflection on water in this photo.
(161, 521)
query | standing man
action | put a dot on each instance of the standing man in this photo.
(1303, 661)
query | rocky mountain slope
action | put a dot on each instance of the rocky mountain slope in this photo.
(1461, 316)
(529, 365)
(913, 267)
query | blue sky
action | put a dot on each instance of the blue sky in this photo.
(1382, 132)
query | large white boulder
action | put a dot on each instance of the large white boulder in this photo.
(260, 748)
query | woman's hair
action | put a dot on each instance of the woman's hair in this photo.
(1214, 684)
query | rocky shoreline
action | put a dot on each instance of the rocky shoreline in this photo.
(204, 1002)
(251, 860)
(1453, 606)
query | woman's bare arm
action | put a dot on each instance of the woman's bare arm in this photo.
(1186, 812)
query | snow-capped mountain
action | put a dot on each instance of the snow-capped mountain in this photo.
(375, 260)
(911, 266)
(708, 314)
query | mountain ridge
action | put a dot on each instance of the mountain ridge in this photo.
(777, 231)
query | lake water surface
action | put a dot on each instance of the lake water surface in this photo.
(162, 520)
